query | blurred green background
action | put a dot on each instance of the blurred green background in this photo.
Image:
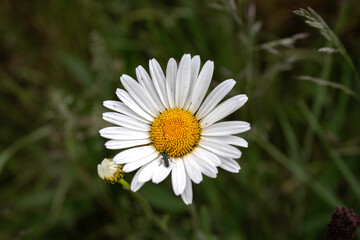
(59, 60)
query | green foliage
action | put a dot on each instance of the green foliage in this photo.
(59, 60)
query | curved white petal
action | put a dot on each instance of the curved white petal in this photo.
(187, 195)
(232, 140)
(201, 86)
(145, 81)
(135, 184)
(161, 172)
(148, 171)
(122, 108)
(121, 133)
(140, 95)
(101, 171)
(230, 165)
(195, 67)
(224, 109)
(126, 121)
(171, 71)
(130, 102)
(192, 168)
(206, 166)
(121, 144)
(133, 165)
(178, 176)
(158, 78)
(207, 155)
(208, 170)
(215, 97)
(220, 149)
(183, 81)
(134, 154)
(226, 128)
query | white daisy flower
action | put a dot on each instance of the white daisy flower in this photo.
(110, 171)
(166, 126)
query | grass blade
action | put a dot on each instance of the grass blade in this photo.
(339, 162)
(29, 139)
(323, 82)
(324, 192)
(316, 21)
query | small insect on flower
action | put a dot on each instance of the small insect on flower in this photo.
(168, 116)
(165, 158)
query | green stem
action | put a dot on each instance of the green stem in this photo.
(317, 106)
(319, 188)
(148, 210)
(125, 184)
(339, 162)
(196, 223)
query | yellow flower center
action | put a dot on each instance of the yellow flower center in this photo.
(176, 131)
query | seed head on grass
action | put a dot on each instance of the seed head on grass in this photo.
(315, 20)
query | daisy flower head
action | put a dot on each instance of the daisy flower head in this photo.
(109, 171)
(166, 124)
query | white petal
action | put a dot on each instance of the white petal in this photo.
(192, 168)
(170, 81)
(125, 121)
(224, 109)
(230, 165)
(118, 144)
(158, 78)
(135, 184)
(220, 149)
(201, 86)
(206, 166)
(195, 67)
(208, 170)
(183, 81)
(232, 140)
(140, 95)
(130, 102)
(134, 154)
(101, 171)
(161, 172)
(122, 108)
(178, 177)
(187, 195)
(121, 133)
(131, 166)
(145, 80)
(207, 155)
(215, 97)
(148, 171)
(226, 128)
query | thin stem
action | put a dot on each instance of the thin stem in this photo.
(195, 219)
(148, 210)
